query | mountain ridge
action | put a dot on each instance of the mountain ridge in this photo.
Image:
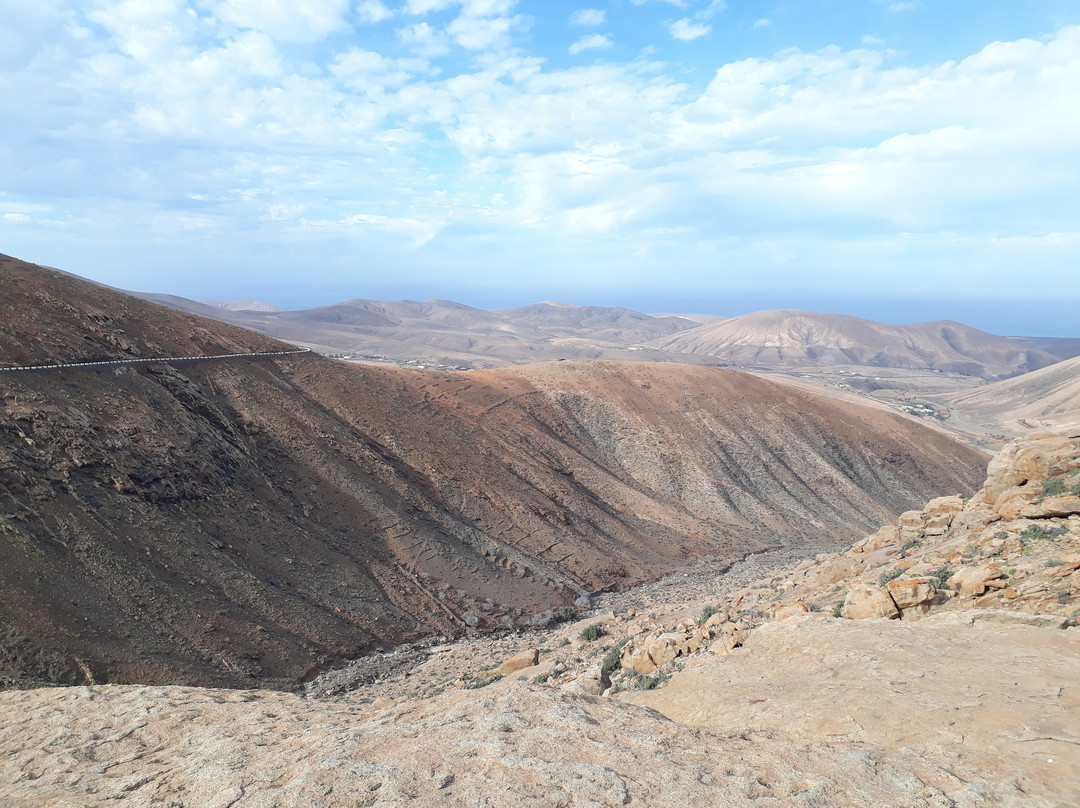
(255, 520)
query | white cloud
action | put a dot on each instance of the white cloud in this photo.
(483, 33)
(591, 41)
(309, 21)
(373, 11)
(905, 6)
(163, 123)
(424, 40)
(588, 16)
(762, 23)
(416, 231)
(714, 7)
(686, 30)
(420, 7)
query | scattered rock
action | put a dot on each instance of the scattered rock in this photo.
(519, 661)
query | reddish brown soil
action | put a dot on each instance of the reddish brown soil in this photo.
(248, 521)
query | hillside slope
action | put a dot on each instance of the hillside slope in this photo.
(769, 696)
(1049, 396)
(242, 521)
(786, 338)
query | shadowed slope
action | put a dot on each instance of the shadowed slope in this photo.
(253, 520)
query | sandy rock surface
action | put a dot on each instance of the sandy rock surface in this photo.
(515, 745)
(978, 688)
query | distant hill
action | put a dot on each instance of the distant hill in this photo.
(449, 334)
(445, 333)
(787, 338)
(1048, 396)
(244, 305)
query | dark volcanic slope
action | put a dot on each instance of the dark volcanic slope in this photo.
(245, 521)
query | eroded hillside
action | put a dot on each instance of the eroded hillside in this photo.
(242, 521)
(767, 696)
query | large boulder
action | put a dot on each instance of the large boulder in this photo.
(944, 505)
(975, 580)
(1031, 459)
(1051, 506)
(865, 602)
(910, 592)
(519, 661)
(786, 610)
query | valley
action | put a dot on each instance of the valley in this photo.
(239, 572)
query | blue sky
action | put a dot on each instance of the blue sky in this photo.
(896, 160)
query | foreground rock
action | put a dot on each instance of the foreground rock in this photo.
(513, 745)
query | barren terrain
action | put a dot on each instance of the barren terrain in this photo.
(255, 521)
(951, 681)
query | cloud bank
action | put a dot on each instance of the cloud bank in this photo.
(443, 142)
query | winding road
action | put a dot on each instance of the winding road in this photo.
(158, 359)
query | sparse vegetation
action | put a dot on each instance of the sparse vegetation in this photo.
(1035, 531)
(592, 633)
(889, 575)
(565, 641)
(939, 576)
(541, 678)
(838, 608)
(706, 613)
(1054, 487)
(613, 658)
(652, 681)
(564, 614)
(910, 544)
(481, 681)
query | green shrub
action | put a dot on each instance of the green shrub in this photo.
(889, 575)
(939, 576)
(706, 613)
(650, 682)
(564, 614)
(1034, 531)
(476, 684)
(592, 633)
(838, 608)
(1054, 487)
(613, 659)
(541, 678)
(910, 544)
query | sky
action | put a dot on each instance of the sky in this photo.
(901, 161)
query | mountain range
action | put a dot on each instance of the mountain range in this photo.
(448, 334)
(254, 520)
